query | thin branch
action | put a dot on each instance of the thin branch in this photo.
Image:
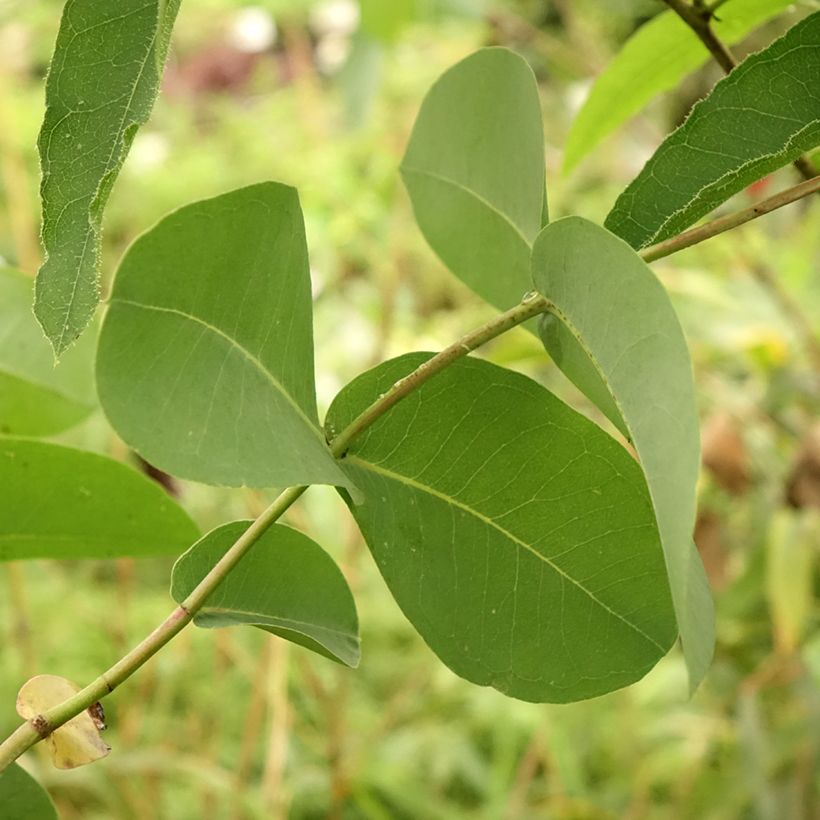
(726, 223)
(698, 16)
(41, 726)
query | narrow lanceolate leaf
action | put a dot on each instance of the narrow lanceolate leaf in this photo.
(22, 797)
(37, 398)
(77, 742)
(474, 170)
(759, 118)
(609, 300)
(516, 536)
(286, 584)
(652, 61)
(101, 86)
(205, 362)
(58, 502)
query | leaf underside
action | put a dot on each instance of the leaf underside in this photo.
(474, 169)
(516, 536)
(286, 584)
(58, 502)
(205, 360)
(101, 86)
(606, 296)
(764, 115)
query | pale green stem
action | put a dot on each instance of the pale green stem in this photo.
(39, 727)
(726, 223)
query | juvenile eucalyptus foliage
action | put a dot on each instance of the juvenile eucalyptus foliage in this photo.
(534, 550)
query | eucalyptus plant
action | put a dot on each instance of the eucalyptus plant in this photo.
(534, 551)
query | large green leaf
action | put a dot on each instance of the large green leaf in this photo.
(286, 584)
(765, 114)
(474, 170)
(101, 87)
(516, 536)
(58, 502)
(654, 60)
(205, 361)
(22, 797)
(37, 398)
(611, 302)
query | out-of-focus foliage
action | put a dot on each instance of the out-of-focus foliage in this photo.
(231, 723)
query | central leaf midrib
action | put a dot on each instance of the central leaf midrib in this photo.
(243, 350)
(471, 193)
(489, 522)
(284, 621)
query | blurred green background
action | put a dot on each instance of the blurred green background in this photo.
(236, 724)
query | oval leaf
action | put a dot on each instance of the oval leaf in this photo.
(205, 362)
(761, 117)
(76, 742)
(286, 584)
(606, 296)
(474, 170)
(22, 797)
(656, 58)
(101, 87)
(37, 398)
(516, 536)
(63, 503)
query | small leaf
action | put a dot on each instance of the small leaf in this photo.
(656, 58)
(286, 584)
(101, 87)
(76, 742)
(606, 296)
(474, 170)
(516, 536)
(205, 362)
(22, 797)
(58, 502)
(37, 398)
(765, 114)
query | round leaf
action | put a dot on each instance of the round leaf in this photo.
(76, 742)
(286, 584)
(205, 362)
(516, 536)
(58, 502)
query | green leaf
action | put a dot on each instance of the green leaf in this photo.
(58, 502)
(611, 302)
(101, 87)
(653, 60)
(481, 202)
(474, 170)
(515, 534)
(205, 362)
(22, 797)
(765, 114)
(286, 584)
(37, 398)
